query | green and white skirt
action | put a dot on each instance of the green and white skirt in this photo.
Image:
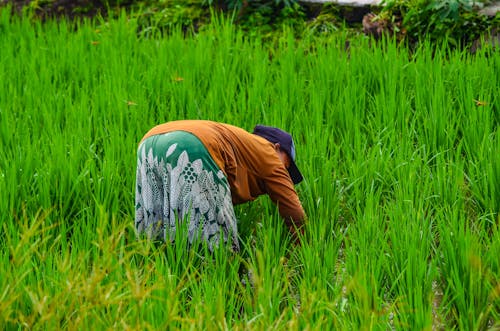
(178, 183)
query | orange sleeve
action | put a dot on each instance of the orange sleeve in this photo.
(280, 189)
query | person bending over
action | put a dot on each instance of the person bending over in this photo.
(196, 170)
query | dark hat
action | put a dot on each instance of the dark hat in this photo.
(285, 140)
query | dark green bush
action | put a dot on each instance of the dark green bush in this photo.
(240, 4)
(257, 17)
(457, 21)
(155, 17)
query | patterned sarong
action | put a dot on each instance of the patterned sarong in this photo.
(177, 181)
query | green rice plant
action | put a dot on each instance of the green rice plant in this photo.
(366, 248)
(319, 295)
(469, 296)
(411, 267)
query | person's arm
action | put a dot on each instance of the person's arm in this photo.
(280, 189)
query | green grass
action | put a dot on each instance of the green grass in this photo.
(400, 151)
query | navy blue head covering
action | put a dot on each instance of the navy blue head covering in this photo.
(285, 140)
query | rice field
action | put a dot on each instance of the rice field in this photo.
(400, 152)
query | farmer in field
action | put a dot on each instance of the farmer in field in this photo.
(195, 171)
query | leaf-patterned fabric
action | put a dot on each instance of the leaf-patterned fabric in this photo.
(177, 181)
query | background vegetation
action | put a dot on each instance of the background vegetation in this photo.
(456, 21)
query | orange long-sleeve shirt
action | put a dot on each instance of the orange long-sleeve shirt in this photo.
(250, 163)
